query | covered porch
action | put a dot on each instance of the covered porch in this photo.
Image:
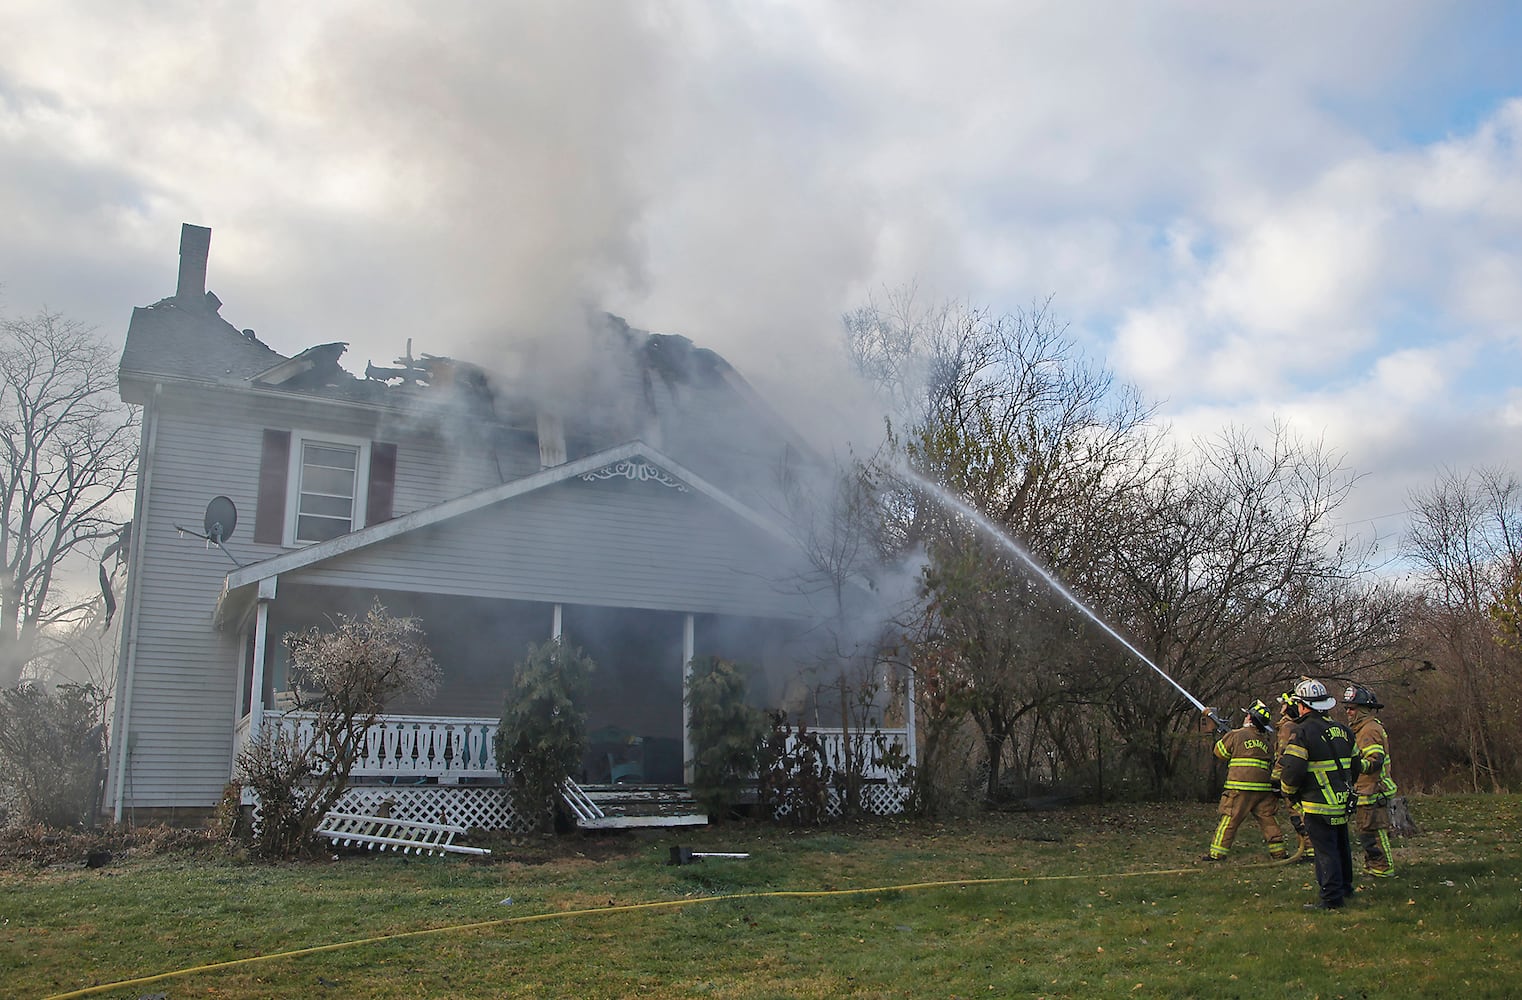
(636, 713)
(637, 562)
(439, 758)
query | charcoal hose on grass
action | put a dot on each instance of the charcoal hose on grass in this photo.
(667, 904)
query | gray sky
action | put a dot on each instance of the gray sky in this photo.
(1303, 211)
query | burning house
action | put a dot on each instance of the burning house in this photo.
(630, 511)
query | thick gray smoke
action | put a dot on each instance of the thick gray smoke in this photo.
(524, 174)
(508, 166)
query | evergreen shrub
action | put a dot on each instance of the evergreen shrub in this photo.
(543, 735)
(725, 730)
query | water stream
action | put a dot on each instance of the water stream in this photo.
(953, 502)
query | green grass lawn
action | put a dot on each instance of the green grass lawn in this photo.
(1097, 902)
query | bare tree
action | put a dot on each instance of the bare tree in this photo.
(345, 677)
(1010, 418)
(1466, 537)
(81, 652)
(68, 447)
(831, 512)
(1221, 562)
(1233, 581)
(898, 344)
(1009, 649)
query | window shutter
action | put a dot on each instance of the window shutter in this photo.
(274, 466)
(382, 483)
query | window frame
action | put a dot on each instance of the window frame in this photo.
(299, 441)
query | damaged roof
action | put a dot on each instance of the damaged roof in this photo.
(190, 340)
(175, 338)
(628, 384)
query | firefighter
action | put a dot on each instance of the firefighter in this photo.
(1289, 714)
(1317, 770)
(1248, 791)
(1374, 786)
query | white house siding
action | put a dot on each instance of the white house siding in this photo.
(614, 543)
(181, 709)
(179, 728)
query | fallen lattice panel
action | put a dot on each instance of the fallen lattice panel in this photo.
(384, 833)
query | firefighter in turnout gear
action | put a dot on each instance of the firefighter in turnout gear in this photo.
(1248, 791)
(1317, 770)
(1289, 714)
(1374, 786)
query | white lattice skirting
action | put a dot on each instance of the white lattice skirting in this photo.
(490, 807)
(876, 800)
(879, 800)
(475, 808)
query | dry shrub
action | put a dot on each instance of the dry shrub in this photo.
(345, 677)
(38, 846)
(52, 752)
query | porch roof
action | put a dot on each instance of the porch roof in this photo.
(243, 585)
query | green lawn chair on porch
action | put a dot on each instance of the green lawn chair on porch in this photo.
(623, 751)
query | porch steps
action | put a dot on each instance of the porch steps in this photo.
(627, 806)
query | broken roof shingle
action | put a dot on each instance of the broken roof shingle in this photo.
(178, 340)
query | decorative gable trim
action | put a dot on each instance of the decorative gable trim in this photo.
(294, 560)
(639, 471)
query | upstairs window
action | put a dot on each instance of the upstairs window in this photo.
(316, 487)
(327, 495)
(328, 491)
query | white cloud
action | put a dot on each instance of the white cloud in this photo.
(1153, 347)
(1214, 196)
(1511, 412)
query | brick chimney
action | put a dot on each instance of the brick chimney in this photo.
(551, 439)
(195, 246)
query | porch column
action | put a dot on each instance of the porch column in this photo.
(687, 654)
(261, 637)
(914, 753)
(243, 675)
(558, 622)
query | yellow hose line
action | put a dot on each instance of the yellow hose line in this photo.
(623, 908)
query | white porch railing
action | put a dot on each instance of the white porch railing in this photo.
(410, 746)
(862, 744)
(448, 749)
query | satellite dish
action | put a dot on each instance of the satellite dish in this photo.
(221, 519)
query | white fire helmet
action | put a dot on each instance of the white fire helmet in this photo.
(1314, 694)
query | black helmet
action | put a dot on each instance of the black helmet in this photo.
(1257, 714)
(1360, 697)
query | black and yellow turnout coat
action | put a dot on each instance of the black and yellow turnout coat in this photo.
(1317, 768)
